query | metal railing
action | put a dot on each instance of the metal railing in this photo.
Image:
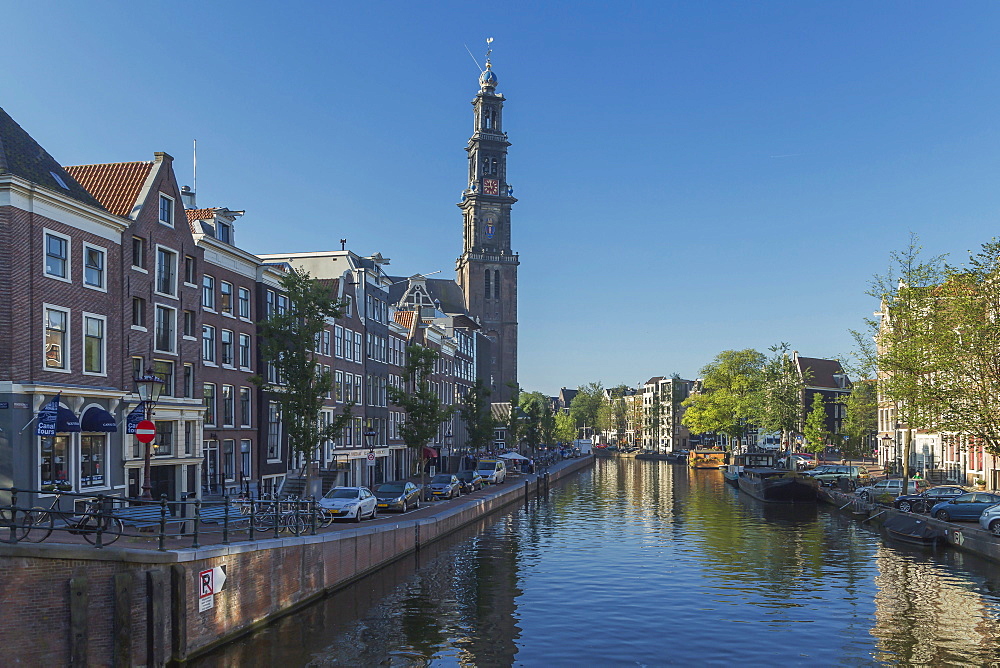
(102, 519)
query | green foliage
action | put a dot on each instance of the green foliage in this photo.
(860, 418)
(533, 405)
(815, 429)
(424, 410)
(728, 397)
(285, 341)
(565, 428)
(587, 404)
(776, 398)
(514, 428)
(612, 416)
(478, 417)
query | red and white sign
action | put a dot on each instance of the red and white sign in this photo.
(210, 582)
(145, 431)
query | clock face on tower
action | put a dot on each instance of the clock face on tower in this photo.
(491, 187)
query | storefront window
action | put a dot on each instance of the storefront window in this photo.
(164, 438)
(92, 450)
(55, 463)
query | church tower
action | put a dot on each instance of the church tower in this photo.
(487, 269)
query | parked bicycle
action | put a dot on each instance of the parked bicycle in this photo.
(38, 523)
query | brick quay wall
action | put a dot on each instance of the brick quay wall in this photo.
(75, 605)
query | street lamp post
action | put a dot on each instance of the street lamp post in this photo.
(887, 442)
(370, 439)
(447, 448)
(149, 387)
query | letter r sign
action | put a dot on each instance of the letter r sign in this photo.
(206, 580)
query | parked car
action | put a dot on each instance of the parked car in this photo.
(922, 502)
(470, 481)
(398, 495)
(352, 503)
(888, 489)
(802, 461)
(990, 520)
(445, 486)
(494, 471)
(968, 506)
(829, 474)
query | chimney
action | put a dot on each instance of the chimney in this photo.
(187, 197)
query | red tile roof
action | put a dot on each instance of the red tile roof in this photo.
(200, 214)
(405, 318)
(116, 185)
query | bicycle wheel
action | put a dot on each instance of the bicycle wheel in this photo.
(324, 517)
(263, 521)
(37, 525)
(11, 522)
(294, 523)
(113, 529)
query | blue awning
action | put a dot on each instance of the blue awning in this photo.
(98, 419)
(66, 421)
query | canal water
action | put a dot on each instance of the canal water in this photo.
(636, 563)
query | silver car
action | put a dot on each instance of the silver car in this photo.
(350, 503)
(990, 520)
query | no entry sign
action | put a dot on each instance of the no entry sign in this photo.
(145, 431)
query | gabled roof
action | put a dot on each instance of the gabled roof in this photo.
(116, 185)
(820, 372)
(654, 380)
(22, 156)
(405, 318)
(444, 291)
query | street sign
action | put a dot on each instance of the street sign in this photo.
(371, 458)
(210, 582)
(145, 431)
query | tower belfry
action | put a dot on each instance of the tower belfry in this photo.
(487, 268)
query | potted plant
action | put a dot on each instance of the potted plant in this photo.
(980, 483)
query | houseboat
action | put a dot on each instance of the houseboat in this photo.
(707, 459)
(778, 485)
(744, 460)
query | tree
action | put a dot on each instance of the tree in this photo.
(515, 423)
(860, 418)
(286, 340)
(475, 411)
(565, 428)
(776, 399)
(586, 406)
(424, 410)
(728, 398)
(815, 431)
(533, 405)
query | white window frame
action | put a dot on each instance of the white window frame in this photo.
(204, 304)
(68, 278)
(358, 352)
(103, 287)
(232, 298)
(246, 415)
(240, 291)
(68, 367)
(159, 210)
(232, 400)
(215, 352)
(104, 344)
(231, 364)
(249, 349)
(156, 271)
(156, 320)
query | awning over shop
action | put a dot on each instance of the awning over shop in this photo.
(430, 453)
(98, 419)
(56, 419)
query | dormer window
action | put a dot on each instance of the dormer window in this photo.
(223, 232)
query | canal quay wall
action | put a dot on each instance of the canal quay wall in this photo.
(80, 606)
(967, 536)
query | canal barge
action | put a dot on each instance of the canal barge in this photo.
(778, 485)
(744, 460)
(707, 459)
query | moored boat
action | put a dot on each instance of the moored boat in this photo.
(707, 459)
(778, 485)
(744, 460)
(910, 529)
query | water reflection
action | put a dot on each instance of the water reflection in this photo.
(645, 563)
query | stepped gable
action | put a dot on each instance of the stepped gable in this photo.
(116, 185)
(22, 156)
(446, 292)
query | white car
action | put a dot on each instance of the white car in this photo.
(889, 489)
(990, 520)
(350, 503)
(494, 471)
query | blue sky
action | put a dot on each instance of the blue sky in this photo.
(692, 177)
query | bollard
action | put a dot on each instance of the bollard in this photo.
(197, 521)
(163, 523)
(526, 488)
(13, 515)
(99, 539)
(225, 520)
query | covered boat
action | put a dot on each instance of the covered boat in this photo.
(778, 485)
(707, 459)
(743, 460)
(913, 529)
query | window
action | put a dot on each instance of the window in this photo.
(273, 430)
(244, 351)
(348, 345)
(496, 284)
(166, 272)
(189, 323)
(93, 267)
(244, 303)
(164, 444)
(165, 370)
(190, 270)
(93, 344)
(57, 256)
(166, 329)
(245, 457)
(208, 343)
(488, 290)
(166, 210)
(223, 232)
(228, 406)
(328, 374)
(357, 389)
(348, 304)
(138, 252)
(208, 292)
(138, 367)
(338, 386)
(56, 338)
(55, 463)
(229, 458)
(226, 297)
(208, 393)
(338, 341)
(246, 418)
(357, 347)
(282, 304)
(138, 312)
(189, 432)
(188, 381)
(272, 299)
(325, 347)
(92, 456)
(227, 347)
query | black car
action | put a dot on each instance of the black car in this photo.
(398, 495)
(470, 481)
(925, 500)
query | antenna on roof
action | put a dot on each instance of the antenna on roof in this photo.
(194, 160)
(473, 58)
(343, 244)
